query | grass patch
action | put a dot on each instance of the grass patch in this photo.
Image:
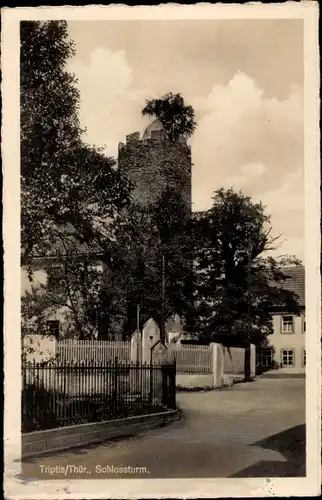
(195, 389)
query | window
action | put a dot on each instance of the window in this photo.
(288, 357)
(266, 357)
(287, 324)
(53, 328)
(304, 325)
(304, 357)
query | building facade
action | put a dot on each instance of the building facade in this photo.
(287, 344)
(57, 317)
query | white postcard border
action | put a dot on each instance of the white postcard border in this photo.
(158, 488)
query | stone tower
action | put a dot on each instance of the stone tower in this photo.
(153, 163)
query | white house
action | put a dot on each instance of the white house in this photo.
(288, 341)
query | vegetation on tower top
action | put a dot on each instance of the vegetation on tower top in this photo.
(177, 118)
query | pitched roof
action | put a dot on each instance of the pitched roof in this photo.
(295, 282)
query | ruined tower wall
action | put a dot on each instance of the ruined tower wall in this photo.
(154, 164)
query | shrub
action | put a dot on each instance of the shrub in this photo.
(37, 409)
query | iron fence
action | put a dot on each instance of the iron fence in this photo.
(60, 395)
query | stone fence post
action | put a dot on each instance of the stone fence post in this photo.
(217, 364)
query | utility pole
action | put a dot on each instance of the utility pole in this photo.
(162, 325)
(138, 317)
(249, 312)
(139, 339)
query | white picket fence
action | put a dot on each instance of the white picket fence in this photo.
(101, 351)
(189, 358)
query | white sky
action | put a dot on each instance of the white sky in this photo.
(244, 79)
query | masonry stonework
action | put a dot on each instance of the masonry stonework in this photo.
(154, 164)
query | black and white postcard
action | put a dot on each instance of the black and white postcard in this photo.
(162, 251)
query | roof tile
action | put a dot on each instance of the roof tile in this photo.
(295, 282)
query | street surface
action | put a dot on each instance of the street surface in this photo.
(250, 430)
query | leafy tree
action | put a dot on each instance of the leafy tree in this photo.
(177, 118)
(72, 195)
(63, 180)
(238, 287)
(176, 245)
(149, 235)
(136, 269)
